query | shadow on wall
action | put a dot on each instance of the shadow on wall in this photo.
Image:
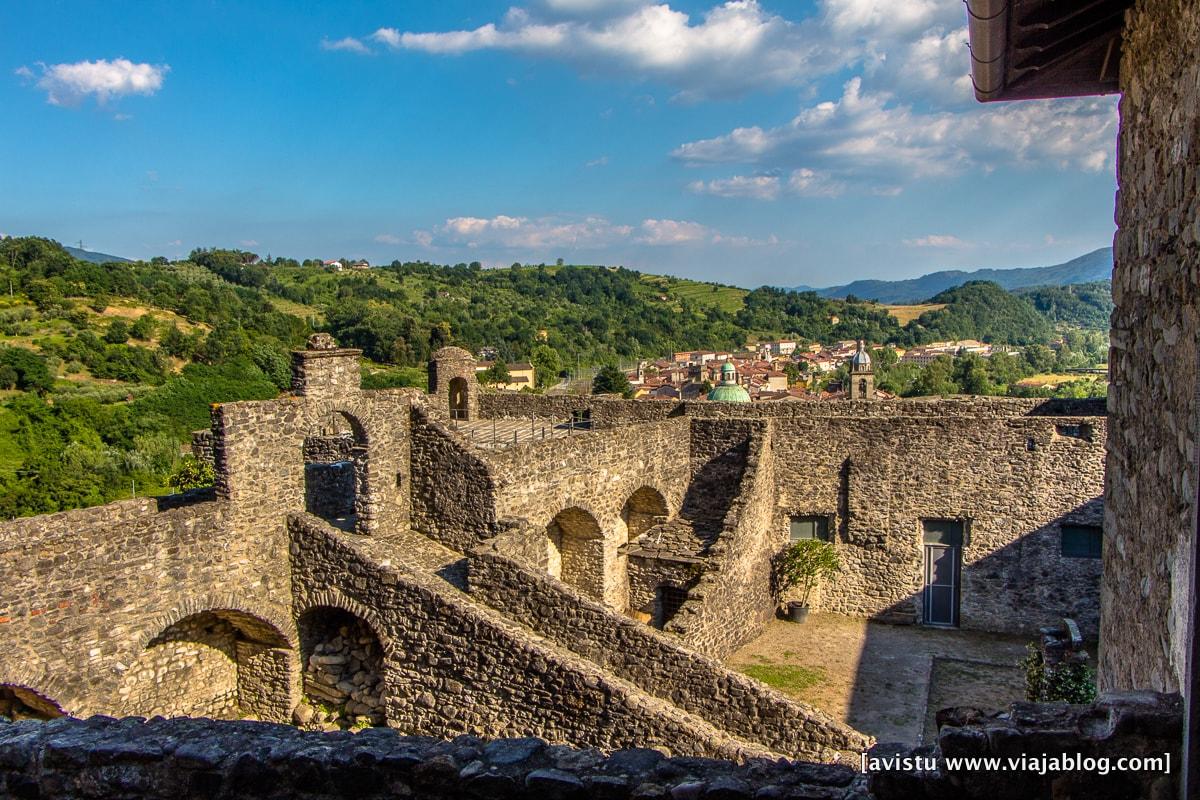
(1050, 573)
(712, 489)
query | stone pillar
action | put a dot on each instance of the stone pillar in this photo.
(324, 371)
(452, 381)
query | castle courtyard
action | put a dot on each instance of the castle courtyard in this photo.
(885, 680)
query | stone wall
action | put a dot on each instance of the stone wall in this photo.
(736, 581)
(193, 758)
(1151, 482)
(87, 593)
(654, 662)
(454, 667)
(603, 412)
(69, 758)
(1012, 481)
(453, 490)
(188, 670)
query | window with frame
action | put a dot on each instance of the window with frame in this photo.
(1082, 541)
(810, 527)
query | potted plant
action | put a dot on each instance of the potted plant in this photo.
(801, 565)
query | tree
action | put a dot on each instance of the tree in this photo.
(546, 364)
(803, 564)
(610, 380)
(144, 327)
(971, 375)
(937, 377)
(117, 333)
(176, 343)
(496, 374)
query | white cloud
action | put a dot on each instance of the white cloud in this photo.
(936, 240)
(388, 238)
(423, 238)
(69, 84)
(249, 242)
(745, 241)
(602, 161)
(525, 233)
(810, 183)
(658, 232)
(730, 49)
(757, 187)
(175, 243)
(869, 139)
(348, 44)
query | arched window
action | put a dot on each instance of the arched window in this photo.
(335, 466)
(342, 661)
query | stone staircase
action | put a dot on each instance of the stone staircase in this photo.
(422, 555)
(411, 551)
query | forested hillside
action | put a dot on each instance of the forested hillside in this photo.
(106, 368)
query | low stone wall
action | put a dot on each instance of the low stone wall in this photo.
(452, 666)
(1132, 725)
(650, 660)
(193, 758)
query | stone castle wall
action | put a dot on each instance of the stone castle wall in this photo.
(86, 592)
(1012, 481)
(1152, 477)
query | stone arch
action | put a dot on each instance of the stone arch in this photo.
(459, 405)
(576, 551)
(343, 660)
(644, 508)
(336, 464)
(18, 702)
(212, 662)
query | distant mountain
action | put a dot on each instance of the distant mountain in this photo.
(95, 258)
(1094, 266)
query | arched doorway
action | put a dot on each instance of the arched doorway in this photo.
(221, 664)
(458, 399)
(335, 470)
(342, 663)
(21, 702)
(644, 509)
(575, 551)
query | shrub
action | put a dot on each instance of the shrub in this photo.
(804, 564)
(1067, 682)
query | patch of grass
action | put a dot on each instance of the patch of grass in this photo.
(786, 677)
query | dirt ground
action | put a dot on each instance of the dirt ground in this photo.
(876, 677)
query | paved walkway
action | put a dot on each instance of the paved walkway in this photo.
(876, 677)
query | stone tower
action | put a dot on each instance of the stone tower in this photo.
(452, 378)
(862, 375)
(324, 371)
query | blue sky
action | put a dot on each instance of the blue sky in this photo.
(747, 142)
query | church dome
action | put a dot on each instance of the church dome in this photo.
(729, 391)
(861, 359)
